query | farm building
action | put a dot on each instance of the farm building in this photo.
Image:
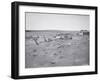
(83, 32)
(63, 36)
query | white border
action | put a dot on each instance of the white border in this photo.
(53, 70)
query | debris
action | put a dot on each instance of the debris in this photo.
(52, 62)
(34, 55)
(34, 50)
(55, 54)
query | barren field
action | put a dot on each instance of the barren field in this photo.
(56, 48)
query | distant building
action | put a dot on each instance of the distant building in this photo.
(83, 32)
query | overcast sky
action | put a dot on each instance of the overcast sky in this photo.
(38, 21)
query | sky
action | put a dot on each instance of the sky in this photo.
(45, 21)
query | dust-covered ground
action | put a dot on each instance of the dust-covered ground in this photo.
(56, 48)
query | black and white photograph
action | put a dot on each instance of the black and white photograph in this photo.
(53, 40)
(50, 40)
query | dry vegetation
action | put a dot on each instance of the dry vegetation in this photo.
(56, 48)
